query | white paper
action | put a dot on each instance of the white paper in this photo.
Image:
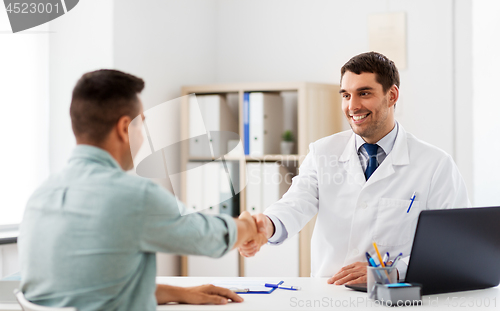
(387, 35)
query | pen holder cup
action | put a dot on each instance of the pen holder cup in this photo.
(379, 275)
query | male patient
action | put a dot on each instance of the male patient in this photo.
(90, 233)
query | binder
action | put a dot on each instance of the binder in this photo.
(211, 188)
(266, 123)
(267, 183)
(231, 206)
(229, 189)
(198, 144)
(194, 187)
(210, 117)
(275, 182)
(202, 187)
(254, 188)
(246, 122)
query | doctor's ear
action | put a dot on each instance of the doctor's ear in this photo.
(393, 93)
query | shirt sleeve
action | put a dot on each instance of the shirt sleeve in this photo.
(280, 233)
(300, 203)
(402, 267)
(447, 189)
(166, 227)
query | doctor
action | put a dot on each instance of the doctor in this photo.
(360, 182)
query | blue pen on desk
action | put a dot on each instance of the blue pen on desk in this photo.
(282, 287)
(411, 203)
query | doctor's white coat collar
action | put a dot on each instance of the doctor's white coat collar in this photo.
(398, 156)
(386, 142)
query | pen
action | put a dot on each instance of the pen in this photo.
(240, 290)
(395, 261)
(289, 288)
(386, 258)
(368, 257)
(378, 254)
(411, 203)
(282, 287)
(372, 262)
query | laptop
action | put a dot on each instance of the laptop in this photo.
(455, 250)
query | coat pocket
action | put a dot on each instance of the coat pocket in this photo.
(393, 225)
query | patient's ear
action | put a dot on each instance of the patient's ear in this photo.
(121, 128)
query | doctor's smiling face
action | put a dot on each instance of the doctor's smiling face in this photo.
(369, 110)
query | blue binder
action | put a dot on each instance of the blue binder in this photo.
(246, 122)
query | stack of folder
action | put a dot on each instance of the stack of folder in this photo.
(210, 115)
(262, 123)
(267, 182)
(212, 189)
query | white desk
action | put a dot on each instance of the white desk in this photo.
(316, 294)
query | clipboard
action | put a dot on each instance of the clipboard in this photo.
(246, 286)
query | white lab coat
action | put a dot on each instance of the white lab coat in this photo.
(353, 212)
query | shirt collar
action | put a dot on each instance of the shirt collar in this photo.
(386, 143)
(94, 154)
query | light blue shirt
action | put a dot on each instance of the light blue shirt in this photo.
(90, 233)
(385, 147)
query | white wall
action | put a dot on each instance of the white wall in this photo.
(284, 40)
(486, 101)
(169, 44)
(463, 95)
(82, 41)
(24, 105)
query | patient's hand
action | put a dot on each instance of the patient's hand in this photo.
(351, 274)
(266, 228)
(204, 294)
(248, 231)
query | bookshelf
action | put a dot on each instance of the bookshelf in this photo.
(318, 113)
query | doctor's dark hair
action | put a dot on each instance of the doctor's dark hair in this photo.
(385, 70)
(100, 98)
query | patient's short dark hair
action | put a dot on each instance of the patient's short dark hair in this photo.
(100, 98)
(384, 69)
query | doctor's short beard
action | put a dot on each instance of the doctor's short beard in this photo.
(377, 126)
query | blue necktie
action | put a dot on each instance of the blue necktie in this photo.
(372, 159)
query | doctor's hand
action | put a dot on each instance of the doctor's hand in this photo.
(351, 274)
(265, 227)
(248, 231)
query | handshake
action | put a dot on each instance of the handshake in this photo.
(253, 232)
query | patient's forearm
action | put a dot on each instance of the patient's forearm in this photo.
(167, 293)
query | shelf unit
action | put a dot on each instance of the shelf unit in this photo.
(318, 115)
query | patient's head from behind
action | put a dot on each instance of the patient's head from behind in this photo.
(103, 105)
